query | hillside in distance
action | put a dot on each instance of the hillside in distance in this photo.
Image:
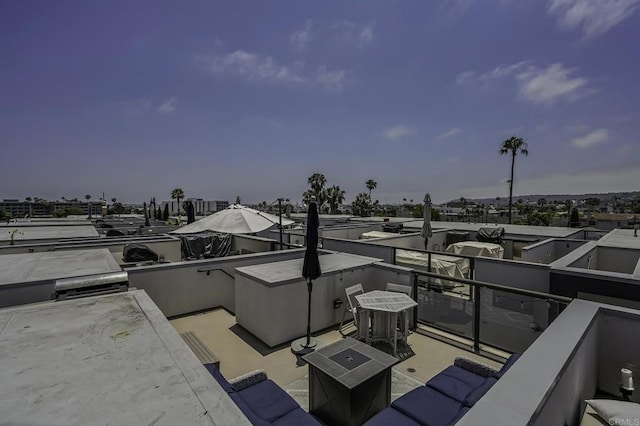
(604, 197)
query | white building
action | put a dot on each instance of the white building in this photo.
(202, 207)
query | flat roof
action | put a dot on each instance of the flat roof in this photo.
(38, 232)
(620, 238)
(47, 222)
(291, 270)
(538, 231)
(52, 265)
(104, 360)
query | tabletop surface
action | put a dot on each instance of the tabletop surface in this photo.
(377, 362)
(385, 301)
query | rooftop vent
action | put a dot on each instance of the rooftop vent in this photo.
(90, 285)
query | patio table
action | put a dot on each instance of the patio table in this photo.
(384, 307)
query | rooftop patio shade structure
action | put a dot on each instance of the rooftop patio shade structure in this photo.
(235, 219)
(310, 271)
(426, 232)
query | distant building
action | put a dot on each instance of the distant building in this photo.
(201, 206)
(19, 208)
(609, 221)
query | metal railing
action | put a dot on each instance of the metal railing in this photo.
(210, 270)
(502, 317)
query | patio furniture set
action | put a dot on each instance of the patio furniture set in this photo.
(350, 384)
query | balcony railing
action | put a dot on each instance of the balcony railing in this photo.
(488, 314)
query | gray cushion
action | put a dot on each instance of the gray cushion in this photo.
(616, 412)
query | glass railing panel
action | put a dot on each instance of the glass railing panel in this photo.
(512, 322)
(446, 305)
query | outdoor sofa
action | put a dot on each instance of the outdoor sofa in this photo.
(445, 398)
(262, 400)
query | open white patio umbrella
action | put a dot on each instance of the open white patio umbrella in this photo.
(235, 219)
(426, 232)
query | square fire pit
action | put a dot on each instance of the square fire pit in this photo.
(349, 382)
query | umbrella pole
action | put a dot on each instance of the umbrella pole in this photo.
(306, 344)
(309, 288)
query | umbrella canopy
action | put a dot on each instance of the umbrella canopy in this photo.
(426, 232)
(311, 265)
(235, 219)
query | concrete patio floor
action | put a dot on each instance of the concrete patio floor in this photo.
(239, 352)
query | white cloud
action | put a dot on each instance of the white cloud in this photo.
(593, 17)
(301, 38)
(397, 132)
(330, 80)
(549, 84)
(168, 106)
(449, 133)
(257, 67)
(251, 66)
(486, 77)
(535, 84)
(357, 33)
(588, 181)
(466, 77)
(592, 138)
(366, 33)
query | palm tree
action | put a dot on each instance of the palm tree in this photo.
(177, 194)
(335, 197)
(371, 185)
(513, 146)
(316, 181)
(114, 199)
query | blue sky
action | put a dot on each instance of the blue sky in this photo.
(249, 98)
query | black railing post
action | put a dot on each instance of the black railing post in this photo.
(415, 297)
(429, 261)
(476, 318)
(472, 268)
(394, 253)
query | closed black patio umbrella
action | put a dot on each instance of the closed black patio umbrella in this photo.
(310, 271)
(191, 212)
(146, 215)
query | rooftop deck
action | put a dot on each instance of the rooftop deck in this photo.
(240, 352)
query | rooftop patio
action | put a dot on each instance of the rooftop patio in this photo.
(240, 352)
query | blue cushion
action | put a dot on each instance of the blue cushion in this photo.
(268, 400)
(507, 365)
(295, 418)
(456, 382)
(428, 407)
(475, 395)
(228, 388)
(390, 416)
(247, 411)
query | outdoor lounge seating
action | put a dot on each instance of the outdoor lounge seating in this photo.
(445, 398)
(262, 400)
